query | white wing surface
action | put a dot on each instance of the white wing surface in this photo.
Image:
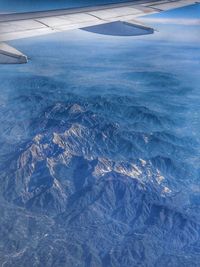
(25, 25)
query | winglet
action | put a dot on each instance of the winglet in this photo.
(10, 55)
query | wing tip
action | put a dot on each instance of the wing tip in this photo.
(10, 55)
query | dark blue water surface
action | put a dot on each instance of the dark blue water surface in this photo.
(100, 146)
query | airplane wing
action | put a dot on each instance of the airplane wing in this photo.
(116, 19)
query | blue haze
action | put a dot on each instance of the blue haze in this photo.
(100, 146)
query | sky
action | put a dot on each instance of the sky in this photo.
(32, 5)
